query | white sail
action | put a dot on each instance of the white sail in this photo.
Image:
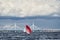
(24, 30)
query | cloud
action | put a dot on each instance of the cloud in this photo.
(24, 8)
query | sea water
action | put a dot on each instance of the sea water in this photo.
(20, 35)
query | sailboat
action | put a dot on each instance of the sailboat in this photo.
(28, 30)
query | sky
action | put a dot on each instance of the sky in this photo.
(23, 8)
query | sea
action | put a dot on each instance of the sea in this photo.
(36, 35)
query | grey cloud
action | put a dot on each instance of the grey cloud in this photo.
(24, 8)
